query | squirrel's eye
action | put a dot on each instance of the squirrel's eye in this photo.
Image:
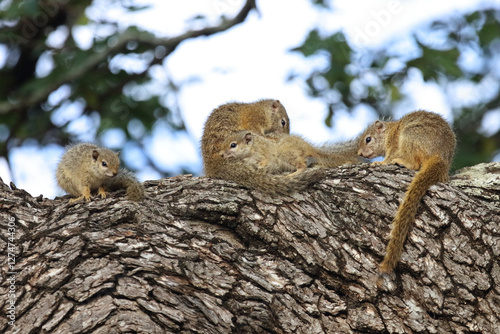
(233, 145)
(283, 123)
(104, 164)
(368, 139)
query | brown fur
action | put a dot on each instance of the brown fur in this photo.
(86, 168)
(261, 117)
(422, 141)
(126, 180)
(264, 118)
(273, 155)
(281, 153)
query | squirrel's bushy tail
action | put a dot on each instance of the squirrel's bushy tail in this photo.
(434, 170)
(337, 154)
(126, 180)
(272, 183)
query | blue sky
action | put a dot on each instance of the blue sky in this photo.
(247, 63)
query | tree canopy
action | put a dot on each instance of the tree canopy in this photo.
(456, 51)
(109, 94)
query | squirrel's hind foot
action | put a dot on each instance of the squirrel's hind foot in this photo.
(86, 198)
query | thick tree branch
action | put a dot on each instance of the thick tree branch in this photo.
(21, 102)
(201, 255)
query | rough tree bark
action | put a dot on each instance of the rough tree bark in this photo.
(207, 256)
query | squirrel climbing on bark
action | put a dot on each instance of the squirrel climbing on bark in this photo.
(281, 153)
(85, 168)
(264, 118)
(421, 141)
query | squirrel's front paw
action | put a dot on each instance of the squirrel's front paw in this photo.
(101, 192)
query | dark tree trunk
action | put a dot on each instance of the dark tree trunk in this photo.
(207, 256)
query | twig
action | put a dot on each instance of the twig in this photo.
(92, 61)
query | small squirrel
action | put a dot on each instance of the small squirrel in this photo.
(86, 167)
(261, 117)
(286, 153)
(264, 118)
(267, 118)
(274, 155)
(421, 141)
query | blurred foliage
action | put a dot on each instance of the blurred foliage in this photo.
(48, 72)
(439, 51)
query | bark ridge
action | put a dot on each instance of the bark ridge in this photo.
(201, 255)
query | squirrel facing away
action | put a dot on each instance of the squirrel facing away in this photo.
(421, 141)
(263, 118)
(85, 168)
(281, 153)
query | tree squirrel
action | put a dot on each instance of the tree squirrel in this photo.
(86, 167)
(273, 155)
(281, 153)
(262, 118)
(422, 141)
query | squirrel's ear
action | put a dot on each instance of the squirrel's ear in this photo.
(95, 154)
(248, 138)
(380, 126)
(118, 153)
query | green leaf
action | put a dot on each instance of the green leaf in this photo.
(395, 93)
(489, 32)
(434, 63)
(329, 117)
(136, 8)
